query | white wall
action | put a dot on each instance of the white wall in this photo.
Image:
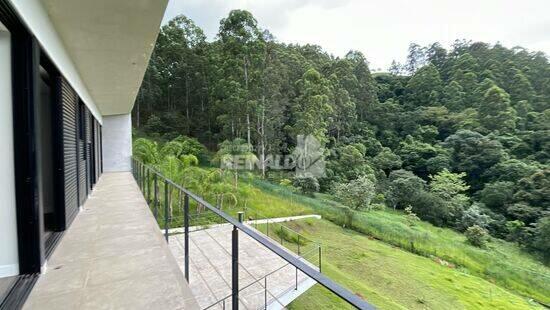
(117, 143)
(9, 264)
(36, 18)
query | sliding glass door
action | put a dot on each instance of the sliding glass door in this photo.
(45, 159)
(9, 260)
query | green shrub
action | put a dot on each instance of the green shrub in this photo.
(412, 218)
(477, 236)
(306, 185)
(474, 215)
(377, 207)
(285, 182)
(348, 215)
(357, 193)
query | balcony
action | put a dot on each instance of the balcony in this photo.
(130, 250)
(112, 257)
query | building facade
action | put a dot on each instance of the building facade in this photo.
(69, 74)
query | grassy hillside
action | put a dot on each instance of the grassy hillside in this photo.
(501, 262)
(392, 278)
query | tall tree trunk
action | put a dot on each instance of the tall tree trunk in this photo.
(248, 129)
(188, 122)
(149, 91)
(245, 65)
(262, 138)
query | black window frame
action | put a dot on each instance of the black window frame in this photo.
(25, 60)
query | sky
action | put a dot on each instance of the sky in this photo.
(383, 29)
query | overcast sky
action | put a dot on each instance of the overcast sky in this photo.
(383, 29)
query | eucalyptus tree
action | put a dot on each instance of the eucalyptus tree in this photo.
(425, 86)
(312, 107)
(178, 43)
(243, 44)
(496, 112)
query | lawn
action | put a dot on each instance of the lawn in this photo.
(391, 278)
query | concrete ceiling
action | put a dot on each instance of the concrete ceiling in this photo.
(109, 42)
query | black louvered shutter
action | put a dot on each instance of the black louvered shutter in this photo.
(94, 153)
(96, 149)
(69, 108)
(89, 157)
(82, 193)
(93, 162)
(100, 150)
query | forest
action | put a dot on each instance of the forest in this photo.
(457, 137)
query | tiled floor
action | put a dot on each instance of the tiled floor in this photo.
(112, 257)
(210, 270)
(5, 286)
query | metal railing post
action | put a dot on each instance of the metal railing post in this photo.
(166, 202)
(140, 173)
(144, 190)
(156, 196)
(148, 186)
(137, 171)
(186, 234)
(143, 178)
(235, 268)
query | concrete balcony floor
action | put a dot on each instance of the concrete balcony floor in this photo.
(112, 257)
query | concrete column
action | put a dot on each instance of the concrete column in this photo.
(117, 143)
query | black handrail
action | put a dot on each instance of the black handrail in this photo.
(337, 289)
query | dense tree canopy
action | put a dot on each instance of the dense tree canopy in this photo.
(461, 135)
